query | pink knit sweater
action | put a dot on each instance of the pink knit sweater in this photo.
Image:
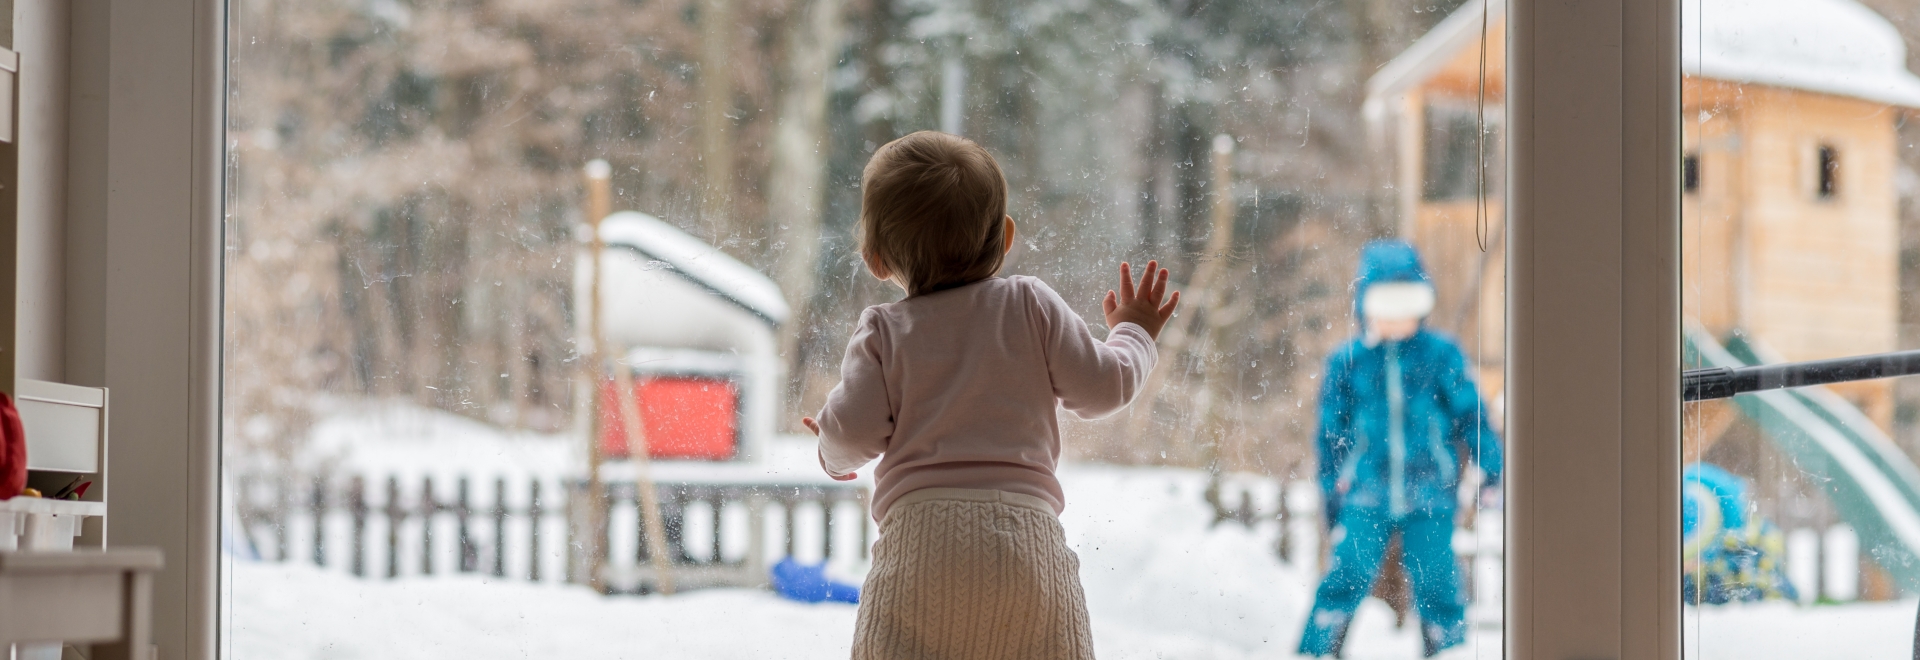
(958, 389)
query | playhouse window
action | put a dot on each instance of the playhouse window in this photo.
(1828, 184)
(1452, 164)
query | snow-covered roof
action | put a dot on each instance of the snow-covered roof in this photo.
(1835, 47)
(1831, 46)
(698, 262)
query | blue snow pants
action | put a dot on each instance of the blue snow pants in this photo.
(1427, 548)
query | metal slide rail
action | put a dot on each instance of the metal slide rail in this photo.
(1719, 382)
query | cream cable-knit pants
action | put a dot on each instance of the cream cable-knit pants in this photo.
(974, 574)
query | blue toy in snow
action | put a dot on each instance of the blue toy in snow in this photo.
(810, 584)
(1398, 413)
(1726, 554)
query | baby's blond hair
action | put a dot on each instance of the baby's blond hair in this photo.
(930, 212)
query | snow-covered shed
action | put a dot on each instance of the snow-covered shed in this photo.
(1789, 204)
(699, 330)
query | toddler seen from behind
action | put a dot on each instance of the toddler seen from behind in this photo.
(955, 390)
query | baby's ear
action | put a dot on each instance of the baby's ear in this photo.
(875, 267)
(1006, 234)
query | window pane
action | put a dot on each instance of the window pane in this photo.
(525, 302)
(1801, 506)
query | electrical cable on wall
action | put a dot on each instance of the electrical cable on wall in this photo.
(1480, 221)
(1480, 215)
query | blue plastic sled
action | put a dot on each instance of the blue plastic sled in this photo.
(810, 584)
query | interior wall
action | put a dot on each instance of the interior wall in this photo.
(40, 36)
(84, 262)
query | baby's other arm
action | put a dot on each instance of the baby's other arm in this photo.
(857, 421)
(815, 428)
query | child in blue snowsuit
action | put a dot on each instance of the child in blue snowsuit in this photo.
(1398, 409)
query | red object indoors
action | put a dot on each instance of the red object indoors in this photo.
(683, 417)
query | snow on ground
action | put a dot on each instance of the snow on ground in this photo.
(1161, 582)
(1854, 631)
(298, 612)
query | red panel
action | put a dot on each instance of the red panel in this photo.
(683, 417)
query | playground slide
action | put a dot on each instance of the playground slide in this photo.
(1874, 486)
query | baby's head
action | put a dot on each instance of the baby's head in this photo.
(933, 213)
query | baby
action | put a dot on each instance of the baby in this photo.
(955, 389)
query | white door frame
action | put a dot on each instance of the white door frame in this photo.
(145, 137)
(1593, 525)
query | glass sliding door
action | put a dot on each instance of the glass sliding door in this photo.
(524, 302)
(1800, 222)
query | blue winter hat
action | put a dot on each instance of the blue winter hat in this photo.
(1388, 261)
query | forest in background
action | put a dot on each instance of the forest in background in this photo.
(405, 184)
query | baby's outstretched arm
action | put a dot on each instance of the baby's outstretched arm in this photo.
(1093, 378)
(1140, 305)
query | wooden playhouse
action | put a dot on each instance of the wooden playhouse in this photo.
(1789, 202)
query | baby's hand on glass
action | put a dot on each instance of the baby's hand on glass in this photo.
(1141, 304)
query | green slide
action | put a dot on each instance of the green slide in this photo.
(1874, 486)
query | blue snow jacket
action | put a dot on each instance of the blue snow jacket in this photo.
(1397, 416)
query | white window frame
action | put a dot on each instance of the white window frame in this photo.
(1593, 398)
(145, 103)
(1593, 517)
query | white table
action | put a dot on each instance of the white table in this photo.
(98, 597)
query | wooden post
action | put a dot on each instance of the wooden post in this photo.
(533, 532)
(643, 478)
(826, 525)
(1199, 293)
(756, 559)
(1283, 544)
(599, 205)
(428, 507)
(318, 505)
(357, 503)
(500, 527)
(719, 503)
(673, 516)
(396, 516)
(469, 552)
(786, 508)
(283, 500)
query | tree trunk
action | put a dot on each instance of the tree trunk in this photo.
(798, 172)
(716, 128)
